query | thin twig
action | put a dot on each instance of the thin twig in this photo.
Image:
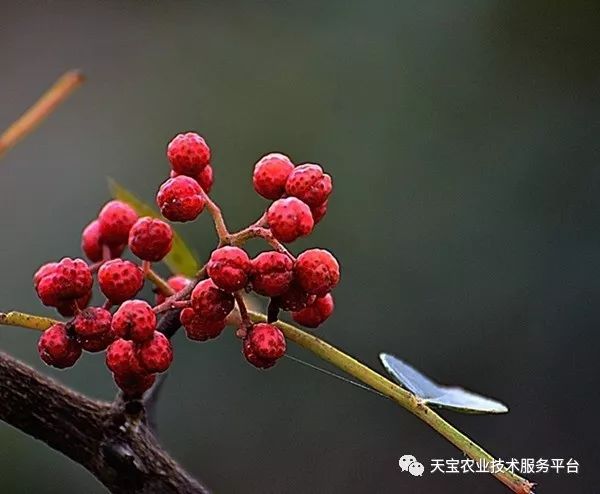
(43, 107)
(217, 215)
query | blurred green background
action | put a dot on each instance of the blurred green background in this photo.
(463, 140)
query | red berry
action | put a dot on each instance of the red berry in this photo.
(199, 329)
(317, 271)
(116, 219)
(289, 219)
(67, 307)
(120, 280)
(134, 385)
(44, 270)
(295, 298)
(97, 343)
(188, 153)
(177, 283)
(47, 291)
(150, 239)
(319, 211)
(253, 358)
(134, 320)
(73, 277)
(205, 178)
(156, 354)
(69, 279)
(57, 349)
(180, 199)
(309, 184)
(266, 342)
(92, 244)
(121, 359)
(92, 322)
(270, 175)
(315, 314)
(93, 330)
(229, 267)
(210, 302)
(271, 273)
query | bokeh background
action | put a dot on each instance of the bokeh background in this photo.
(463, 140)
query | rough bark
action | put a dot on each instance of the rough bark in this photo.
(111, 440)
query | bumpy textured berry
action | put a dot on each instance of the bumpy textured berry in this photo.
(48, 291)
(134, 385)
(318, 212)
(255, 360)
(92, 328)
(270, 175)
(289, 219)
(44, 270)
(57, 349)
(317, 271)
(180, 199)
(295, 298)
(271, 273)
(116, 219)
(315, 314)
(97, 343)
(205, 178)
(73, 277)
(229, 267)
(210, 302)
(134, 320)
(309, 184)
(150, 239)
(199, 329)
(121, 359)
(67, 307)
(120, 280)
(266, 342)
(66, 280)
(188, 153)
(91, 243)
(156, 354)
(177, 283)
(92, 322)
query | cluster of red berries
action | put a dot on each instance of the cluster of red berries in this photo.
(135, 350)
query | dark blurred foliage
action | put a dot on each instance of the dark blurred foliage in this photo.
(463, 139)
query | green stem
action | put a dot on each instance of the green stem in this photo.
(23, 320)
(404, 398)
(159, 282)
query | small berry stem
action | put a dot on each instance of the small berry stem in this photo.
(96, 266)
(254, 231)
(41, 109)
(243, 310)
(105, 254)
(159, 282)
(215, 212)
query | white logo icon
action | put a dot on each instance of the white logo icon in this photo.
(409, 463)
(416, 469)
